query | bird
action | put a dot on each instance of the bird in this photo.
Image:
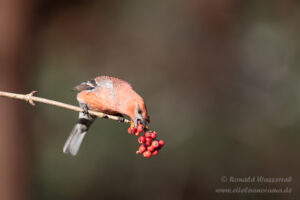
(109, 95)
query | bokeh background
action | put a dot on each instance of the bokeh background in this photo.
(220, 78)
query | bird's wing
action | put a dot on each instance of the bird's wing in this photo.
(105, 81)
(87, 85)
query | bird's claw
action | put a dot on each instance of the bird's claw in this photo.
(85, 109)
(121, 119)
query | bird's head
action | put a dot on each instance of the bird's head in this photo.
(140, 113)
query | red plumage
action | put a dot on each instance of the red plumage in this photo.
(108, 95)
(114, 96)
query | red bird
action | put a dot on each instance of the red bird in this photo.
(108, 95)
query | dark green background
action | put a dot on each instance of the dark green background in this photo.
(221, 81)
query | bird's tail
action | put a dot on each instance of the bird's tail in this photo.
(80, 129)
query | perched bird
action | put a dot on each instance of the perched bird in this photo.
(108, 95)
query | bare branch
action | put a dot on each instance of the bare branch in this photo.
(31, 99)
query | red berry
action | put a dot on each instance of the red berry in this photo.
(147, 154)
(142, 139)
(155, 144)
(150, 148)
(155, 152)
(137, 133)
(153, 135)
(140, 128)
(148, 141)
(142, 148)
(161, 143)
(129, 130)
(148, 134)
(133, 130)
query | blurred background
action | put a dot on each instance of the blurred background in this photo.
(220, 79)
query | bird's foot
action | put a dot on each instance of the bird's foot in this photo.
(121, 119)
(84, 107)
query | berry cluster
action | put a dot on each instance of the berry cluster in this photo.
(149, 145)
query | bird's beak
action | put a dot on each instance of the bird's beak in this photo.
(144, 122)
(140, 120)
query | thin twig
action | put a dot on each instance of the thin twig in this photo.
(31, 99)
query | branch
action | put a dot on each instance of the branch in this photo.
(31, 99)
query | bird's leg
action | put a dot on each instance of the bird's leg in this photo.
(85, 108)
(120, 117)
